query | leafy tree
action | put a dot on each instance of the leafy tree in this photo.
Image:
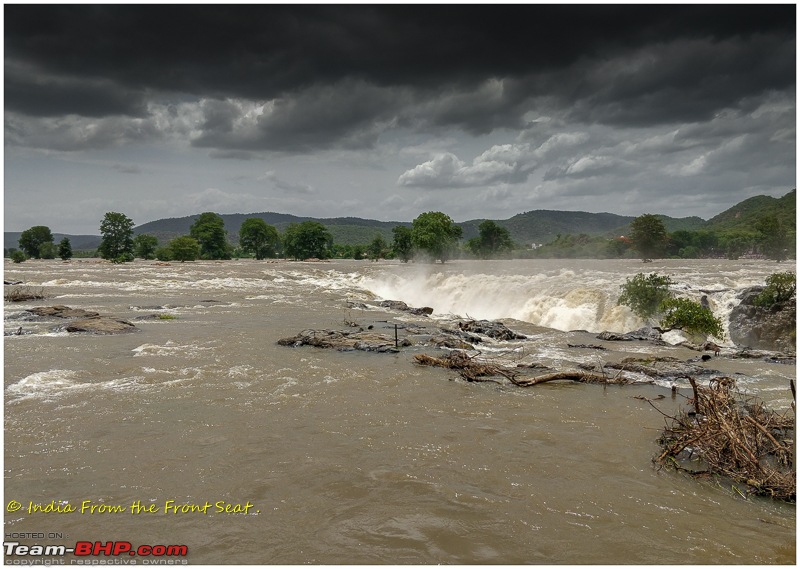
(258, 238)
(164, 253)
(307, 240)
(18, 256)
(185, 248)
(493, 239)
(377, 248)
(65, 249)
(145, 246)
(48, 251)
(209, 231)
(649, 236)
(736, 244)
(116, 230)
(436, 234)
(781, 288)
(773, 237)
(644, 294)
(32, 239)
(402, 245)
(690, 316)
(358, 252)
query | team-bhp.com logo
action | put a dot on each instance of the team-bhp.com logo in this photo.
(95, 549)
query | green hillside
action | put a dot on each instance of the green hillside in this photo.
(345, 230)
(743, 216)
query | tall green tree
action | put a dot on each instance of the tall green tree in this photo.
(773, 237)
(48, 250)
(307, 240)
(492, 240)
(32, 239)
(436, 234)
(259, 238)
(145, 246)
(402, 245)
(116, 230)
(184, 248)
(649, 236)
(377, 248)
(65, 249)
(209, 231)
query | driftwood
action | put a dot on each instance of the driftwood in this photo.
(467, 367)
(472, 370)
(735, 437)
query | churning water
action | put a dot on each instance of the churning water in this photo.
(352, 457)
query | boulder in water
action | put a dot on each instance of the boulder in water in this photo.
(61, 311)
(494, 330)
(402, 306)
(763, 328)
(343, 341)
(101, 325)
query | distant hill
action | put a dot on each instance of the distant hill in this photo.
(744, 215)
(538, 226)
(345, 230)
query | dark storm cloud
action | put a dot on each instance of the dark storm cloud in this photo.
(340, 75)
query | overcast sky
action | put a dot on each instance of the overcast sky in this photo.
(385, 112)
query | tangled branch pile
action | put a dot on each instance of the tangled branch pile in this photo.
(23, 294)
(467, 366)
(735, 437)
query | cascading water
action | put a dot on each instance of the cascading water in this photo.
(564, 295)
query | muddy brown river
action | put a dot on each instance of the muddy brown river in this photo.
(325, 457)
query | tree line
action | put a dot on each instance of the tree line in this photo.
(433, 236)
(649, 239)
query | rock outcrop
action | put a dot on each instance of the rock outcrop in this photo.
(645, 334)
(763, 328)
(494, 330)
(101, 325)
(403, 307)
(85, 320)
(344, 341)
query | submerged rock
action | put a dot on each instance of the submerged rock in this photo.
(61, 311)
(344, 341)
(101, 325)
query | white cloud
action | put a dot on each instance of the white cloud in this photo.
(499, 164)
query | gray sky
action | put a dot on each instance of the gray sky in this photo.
(385, 112)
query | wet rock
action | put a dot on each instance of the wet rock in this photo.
(101, 325)
(450, 341)
(343, 341)
(771, 357)
(587, 346)
(61, 311)
(763, 328)
(614, 337)
(494, 330)
(12, 282)
(645, 334)
(403, 307)
(18, 332)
